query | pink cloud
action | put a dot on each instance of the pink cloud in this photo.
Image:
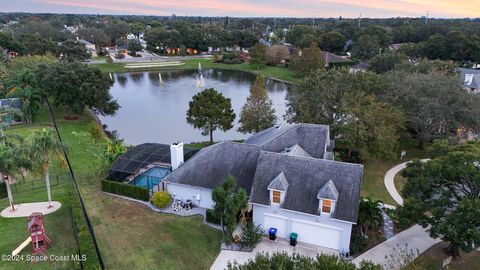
(299, 8)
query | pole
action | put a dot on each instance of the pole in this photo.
(84, 211)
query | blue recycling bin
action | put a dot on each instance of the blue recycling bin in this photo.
(272, 233)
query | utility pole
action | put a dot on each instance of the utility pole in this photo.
(426, 19)
(360, 20)
(313, 22)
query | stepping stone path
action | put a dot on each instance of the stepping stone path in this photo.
(387, 225)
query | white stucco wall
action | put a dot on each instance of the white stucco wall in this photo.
(260, 210)
(189, 192)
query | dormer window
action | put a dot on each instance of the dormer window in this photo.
(276, 196)
(278, 188)
(327, 197)
(326, 206)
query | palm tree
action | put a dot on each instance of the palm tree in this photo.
(369, 215)
(7, 168)
(23, 86)
(44, 147)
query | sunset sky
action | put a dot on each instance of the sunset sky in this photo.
(260, 8)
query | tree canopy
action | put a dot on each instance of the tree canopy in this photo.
(257, 113)
(209, 110)
(77, 86)
(446, 194)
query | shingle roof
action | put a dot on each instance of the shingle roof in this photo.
(209, 167)
(328, 191)
(306, 176)
(296, 150)
(470, 77)
(310, 137)
(279, 183)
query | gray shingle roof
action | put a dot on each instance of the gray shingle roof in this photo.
(306, 176)
(470, 77)
(296, 150)
(310, 137)
(328, 191)
(279, 183)
(209, 167)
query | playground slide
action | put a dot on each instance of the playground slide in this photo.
(22, 246)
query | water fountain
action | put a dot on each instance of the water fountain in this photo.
(199, 76)
(160, 77)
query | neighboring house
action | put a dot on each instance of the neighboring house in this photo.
(291, 179)
(395, 46)
(265, 42)
(331, 59)
(360, 67)
(470, 79)
(91, 48)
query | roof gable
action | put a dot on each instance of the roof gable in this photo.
(328, 191)
(306, 176)
(279, 183)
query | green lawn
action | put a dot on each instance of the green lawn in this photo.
(374, 173)
(280, 73)
(130, 235)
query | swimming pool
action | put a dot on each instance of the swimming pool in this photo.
(151, 177)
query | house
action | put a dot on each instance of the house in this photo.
(91, 48)
(292, 181)
(332, 59)
(470, 79)
(360, 67)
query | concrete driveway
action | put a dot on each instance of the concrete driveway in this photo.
(413, 241)
(267, 246)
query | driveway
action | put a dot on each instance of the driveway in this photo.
(413, 241)
(267, 246)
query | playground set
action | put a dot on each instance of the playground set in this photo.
(38, 237)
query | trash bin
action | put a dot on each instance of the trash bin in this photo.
(293, 239)
(272, 233)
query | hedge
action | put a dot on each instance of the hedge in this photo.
(3, 190)
(85, 241)
(211, 217)
(136, 192)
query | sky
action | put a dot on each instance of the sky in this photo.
(255, 8)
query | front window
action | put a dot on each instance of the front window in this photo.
(276, 196)
(326, 206)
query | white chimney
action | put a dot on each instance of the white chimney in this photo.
(176, 154)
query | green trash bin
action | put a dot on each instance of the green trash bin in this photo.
(293, 239)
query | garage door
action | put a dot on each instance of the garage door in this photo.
(315, 234)
(275, 221)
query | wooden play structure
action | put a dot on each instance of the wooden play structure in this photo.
(39, 238)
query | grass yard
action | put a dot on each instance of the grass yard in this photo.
(280, 73)
(432, 259)
(374, 173)
(130, 236)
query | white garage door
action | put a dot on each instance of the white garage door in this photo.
(275, 221)
(315, 234)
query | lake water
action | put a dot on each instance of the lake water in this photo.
(155, 111)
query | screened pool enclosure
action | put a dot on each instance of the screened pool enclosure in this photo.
(145, 164)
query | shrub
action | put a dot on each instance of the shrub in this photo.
(161, 199)
(211, 217)
(358, 243)
(3, 190)
(251, 235)
(232, 61)
(135, 192)
(86, 245)
(109, 59)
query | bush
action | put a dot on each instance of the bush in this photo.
(251, 235)
(86, 245)
(232, 61)
(211, 217)
(3, 190)
(135, 192)
(161, 199)
(109, 59)
(358, 243)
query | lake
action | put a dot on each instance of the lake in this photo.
(154, 104)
